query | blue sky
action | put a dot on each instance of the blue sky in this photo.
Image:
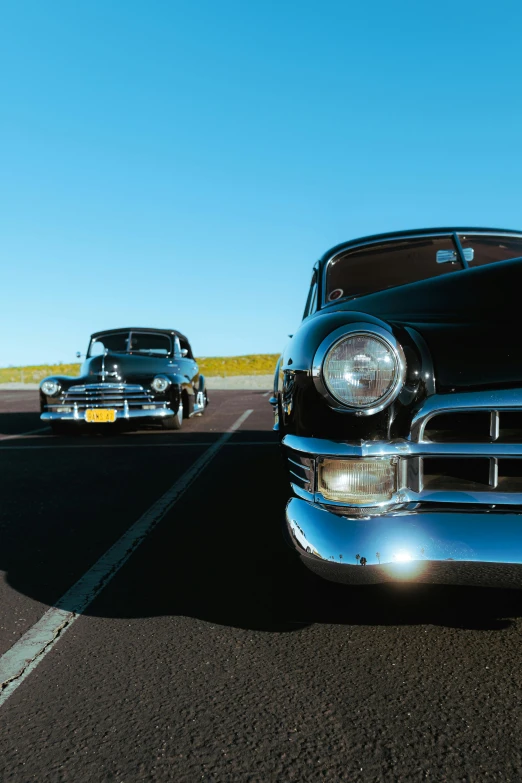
(184, 164)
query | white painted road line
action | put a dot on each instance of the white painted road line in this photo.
(170, 445)
(23, 434)
(24, 656)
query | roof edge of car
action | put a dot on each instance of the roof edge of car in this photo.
(412, 232)
(139, 329)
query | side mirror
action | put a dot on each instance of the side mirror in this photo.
(184, 352)
(78, 355)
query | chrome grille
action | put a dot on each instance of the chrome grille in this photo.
(103, 395)
(462, 448)
(480, 448)
(475, 427)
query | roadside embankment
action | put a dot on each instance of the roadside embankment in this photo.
(260, 364)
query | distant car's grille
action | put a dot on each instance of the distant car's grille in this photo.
(104, 395)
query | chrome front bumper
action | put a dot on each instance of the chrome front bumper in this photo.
(461, 547)
(121, 415)
(447, 535)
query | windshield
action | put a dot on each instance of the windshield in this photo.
(489, 249)
(146, 343)
(376, 267)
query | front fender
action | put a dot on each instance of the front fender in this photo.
(64, 380)
(299, 353)
(304, 410)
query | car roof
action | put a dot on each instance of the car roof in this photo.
(416, 232)
(140, 329)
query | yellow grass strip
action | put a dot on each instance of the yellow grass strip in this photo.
(224, 366)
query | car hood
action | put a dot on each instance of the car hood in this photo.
(121, 367)
(469, 319)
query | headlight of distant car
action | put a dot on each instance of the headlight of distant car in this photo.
(50, 388)
(160, 383)
(363, 370)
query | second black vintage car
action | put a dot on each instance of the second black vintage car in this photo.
(131, 376)
(399, 405)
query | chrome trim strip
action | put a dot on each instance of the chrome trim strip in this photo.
(466, 497)
(105, 404)
(298, 464)
(396, 448)
(301, 492)
(304, 479)
(406, 495)
(107, 396)
(493, 472)
(132, 387)
(494, 425)
(159, 413)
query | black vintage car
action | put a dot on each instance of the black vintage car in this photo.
(399, 406)
(131, 376)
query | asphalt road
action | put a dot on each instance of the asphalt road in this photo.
(211, 654)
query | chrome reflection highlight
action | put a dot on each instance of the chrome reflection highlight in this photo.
(402, 557)
(435, 547)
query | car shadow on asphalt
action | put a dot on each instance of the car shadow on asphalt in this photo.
(19, 422)
(231, 566)
(219, 555)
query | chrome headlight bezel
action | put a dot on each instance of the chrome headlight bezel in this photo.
(162, 382)
(352, 330)
(50, 382)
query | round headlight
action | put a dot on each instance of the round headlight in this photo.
(50, 388)
(160, 383)
(364, 371)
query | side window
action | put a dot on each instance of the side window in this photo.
(185, 346)
(313, 300)
(177, 347)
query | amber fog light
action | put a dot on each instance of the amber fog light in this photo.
(357, 481)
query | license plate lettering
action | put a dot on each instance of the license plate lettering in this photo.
(100, 415)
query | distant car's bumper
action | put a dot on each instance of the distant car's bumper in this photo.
(134, 415)
(464, 547)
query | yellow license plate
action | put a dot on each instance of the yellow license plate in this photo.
(100, 415)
